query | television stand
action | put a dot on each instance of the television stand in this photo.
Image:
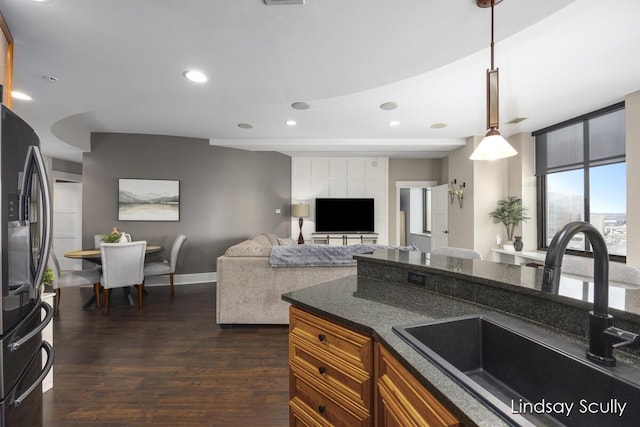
(339, 239)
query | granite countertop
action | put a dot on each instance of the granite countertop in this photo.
(374, 307)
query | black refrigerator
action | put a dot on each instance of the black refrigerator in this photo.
(25, 240)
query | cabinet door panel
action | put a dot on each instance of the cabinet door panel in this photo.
(390, 412)
(401, 388)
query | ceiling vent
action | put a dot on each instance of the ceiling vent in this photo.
(281, 2)
(515, 120)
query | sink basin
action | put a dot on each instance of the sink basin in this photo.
(526, 375)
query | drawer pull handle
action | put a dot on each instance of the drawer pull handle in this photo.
(322, 369)
(322, 409)
(322, 338)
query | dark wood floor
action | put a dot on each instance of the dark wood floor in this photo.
(169, 365)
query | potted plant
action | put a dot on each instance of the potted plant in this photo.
(47, 281)
(511, 213)
(113, 237)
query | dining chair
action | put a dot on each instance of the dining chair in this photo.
(122, 266)
(167, 267)
(457, 252)
(71, 278)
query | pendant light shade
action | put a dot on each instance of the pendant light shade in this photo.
(493, 146)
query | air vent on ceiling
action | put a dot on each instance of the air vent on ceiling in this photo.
(281, 2)
(515, 120)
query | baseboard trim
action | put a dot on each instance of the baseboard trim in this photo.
(182, 279)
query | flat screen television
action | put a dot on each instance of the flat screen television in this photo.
(344, 215)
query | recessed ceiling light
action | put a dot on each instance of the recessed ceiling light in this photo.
(19, 95)
(195, 76)
(291, 122)
(389, 106)
(394, 123)
(438, 125)
(42, 1)
(300, 106)
(245, 126)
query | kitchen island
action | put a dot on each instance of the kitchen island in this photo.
(399, 288)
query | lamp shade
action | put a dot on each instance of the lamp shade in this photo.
(301, 210)
(493, 147)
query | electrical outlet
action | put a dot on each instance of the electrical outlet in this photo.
(416, 278)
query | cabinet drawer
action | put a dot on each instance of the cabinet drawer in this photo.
(307, 396)
(404, 398)
(300, 415)
(345, 379)
(339, 341)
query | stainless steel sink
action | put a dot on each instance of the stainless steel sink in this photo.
(528, 376)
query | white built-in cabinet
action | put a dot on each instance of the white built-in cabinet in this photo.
(341, 239)
(339, 177)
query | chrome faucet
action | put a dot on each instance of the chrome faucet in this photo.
(603, 336)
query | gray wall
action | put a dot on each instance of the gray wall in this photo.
(66, 166)
(226, 195)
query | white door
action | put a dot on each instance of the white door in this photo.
(67, 222)
(439, 216)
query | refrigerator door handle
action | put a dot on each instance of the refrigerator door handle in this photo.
(34, 159)
(15, 345)
(14, 402)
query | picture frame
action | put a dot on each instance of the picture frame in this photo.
(148, 199)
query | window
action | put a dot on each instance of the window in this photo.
(581, 170)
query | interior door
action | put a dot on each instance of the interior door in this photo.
(67, 222)
(440, 216)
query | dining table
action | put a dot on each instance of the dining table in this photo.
(94, 255)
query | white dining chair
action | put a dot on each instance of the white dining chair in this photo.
(122, 266)
(167, 267)
(71, 278)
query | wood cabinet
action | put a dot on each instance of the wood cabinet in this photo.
(339, 239)
(6, 62)
(401, 400)
(331, 380)
(330, 373)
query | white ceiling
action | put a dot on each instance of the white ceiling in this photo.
(119, 66)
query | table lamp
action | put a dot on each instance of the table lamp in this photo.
(301, 210)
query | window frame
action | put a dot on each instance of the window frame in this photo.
(586, 164)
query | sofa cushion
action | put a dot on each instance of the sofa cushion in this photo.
(262, 240)
(249, 248)
(273, 239)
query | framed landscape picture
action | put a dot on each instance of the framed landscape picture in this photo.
(148, 200)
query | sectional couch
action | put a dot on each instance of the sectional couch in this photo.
(249, 290)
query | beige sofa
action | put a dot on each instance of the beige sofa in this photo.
(249, 290)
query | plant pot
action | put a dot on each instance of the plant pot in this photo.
(517, 243)
(508, 245)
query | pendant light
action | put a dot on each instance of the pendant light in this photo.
(493, 146)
